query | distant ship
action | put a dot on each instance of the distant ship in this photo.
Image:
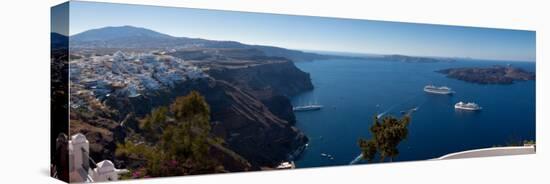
(467, 106)
(307, 108)
(443, 90)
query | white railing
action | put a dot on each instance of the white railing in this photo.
(496, 151)
(79, 163)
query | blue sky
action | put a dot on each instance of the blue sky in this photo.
(311, 33)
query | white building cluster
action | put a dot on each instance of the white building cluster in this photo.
(130, 75)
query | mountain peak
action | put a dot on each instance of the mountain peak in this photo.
(118, 32)
(130, 37)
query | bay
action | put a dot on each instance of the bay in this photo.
(354, 91)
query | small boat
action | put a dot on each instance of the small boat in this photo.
(286, 165)
(467, 106)
(329, 156)
(442, 90)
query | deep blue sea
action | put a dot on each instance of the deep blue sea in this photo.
(354, 91)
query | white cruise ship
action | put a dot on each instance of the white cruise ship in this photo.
(467, 106)
(307, 108)
(443, 90)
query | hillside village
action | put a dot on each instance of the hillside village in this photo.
(127, 75)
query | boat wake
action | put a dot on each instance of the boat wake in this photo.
(401, 104)
(385, 112)
(408, 101)
(357, 159)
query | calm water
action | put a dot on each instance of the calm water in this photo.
(354, 91)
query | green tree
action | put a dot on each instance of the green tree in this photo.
(178, 139)
(190, 107)
(152, 125)
(386, 136)
(368, 148)
(188, 137)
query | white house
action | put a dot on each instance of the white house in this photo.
(79, 163)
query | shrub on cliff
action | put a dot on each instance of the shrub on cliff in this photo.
(178, 140)
(386, 135)
(153, 123)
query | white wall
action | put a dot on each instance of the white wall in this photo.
(24, 92)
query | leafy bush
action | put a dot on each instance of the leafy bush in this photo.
(386, 136)
(176, 140)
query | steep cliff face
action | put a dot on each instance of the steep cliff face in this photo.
(272, 82)
(280, 77)
(248, 127)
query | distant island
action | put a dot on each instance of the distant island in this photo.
(490, 75)
(416, 59)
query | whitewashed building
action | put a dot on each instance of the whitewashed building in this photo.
(79, 163)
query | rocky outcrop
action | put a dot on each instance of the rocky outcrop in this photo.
(231, 161)
(272, 82)
(249, 128)
(279, 77)
(281, 107)
(489, 75)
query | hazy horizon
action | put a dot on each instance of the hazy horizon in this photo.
(312, 33)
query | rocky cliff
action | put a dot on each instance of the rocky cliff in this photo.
(272, 82)
(248, 127)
